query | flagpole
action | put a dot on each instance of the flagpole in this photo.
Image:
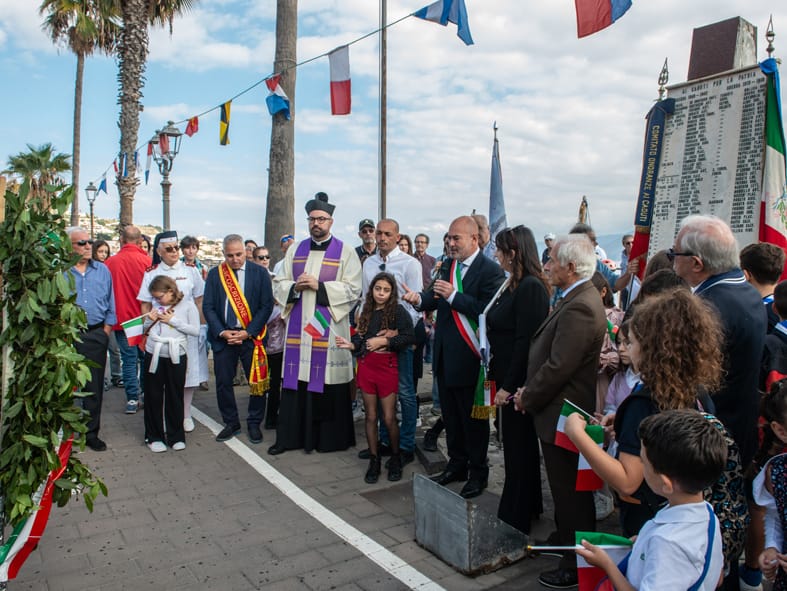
(382, 163)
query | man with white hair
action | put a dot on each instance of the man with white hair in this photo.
(706, 256)
(562, 364)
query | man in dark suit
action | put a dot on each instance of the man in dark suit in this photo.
(237, 303)
(563, 363)
(459, 296)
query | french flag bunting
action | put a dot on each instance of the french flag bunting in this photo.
(148, 161)
(193, 126)
(115, 166)
(163, 143)
(124, 164)
(448, 11)
(341, 95)
(277, 100)
(594, 15)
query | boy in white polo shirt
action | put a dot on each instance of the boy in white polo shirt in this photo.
(680, 548)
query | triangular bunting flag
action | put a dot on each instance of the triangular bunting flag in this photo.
(102, 186)
(277, 100)
(448, 11)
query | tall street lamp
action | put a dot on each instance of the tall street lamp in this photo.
(91, 191)
(166, 145)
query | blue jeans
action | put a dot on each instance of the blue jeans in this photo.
(408, 402)
(132, 363)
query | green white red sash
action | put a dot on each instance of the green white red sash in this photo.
(259, 378)
(484, 399)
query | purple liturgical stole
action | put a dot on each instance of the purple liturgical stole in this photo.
(292, 350)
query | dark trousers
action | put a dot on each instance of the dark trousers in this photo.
(574, 511)
(467, 438)
(94, 348)
(275, 361)
(224, 364)
(164, 400)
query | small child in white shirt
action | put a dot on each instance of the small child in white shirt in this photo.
(680, 548)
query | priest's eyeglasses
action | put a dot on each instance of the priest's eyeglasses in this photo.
(319, 220)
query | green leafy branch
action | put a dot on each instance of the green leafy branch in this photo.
(42, 323)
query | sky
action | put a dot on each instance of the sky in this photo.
(570, 111)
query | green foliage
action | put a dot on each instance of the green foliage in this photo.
(42, 323)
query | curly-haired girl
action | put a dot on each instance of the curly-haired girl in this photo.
(675, 366)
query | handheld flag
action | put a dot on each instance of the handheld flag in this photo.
(587, 479)
(594, 15)
(277, 100)
(133, 329)
(341, 94)
(561, 439)
(773, 208)
(592, 578)
(193, 126)
(317, 326)
(448, 11)
(224, 124)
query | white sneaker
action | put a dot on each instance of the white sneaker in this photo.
(157, 447)
(358, 413)
(188, 424)
(179, 446)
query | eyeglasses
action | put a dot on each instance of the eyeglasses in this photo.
(83, 242)
(366, 230)
(672, 253)
(628, 244)
(319, 220)
(170, 248)
(263, 257)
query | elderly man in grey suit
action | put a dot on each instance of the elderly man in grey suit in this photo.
(563, 363)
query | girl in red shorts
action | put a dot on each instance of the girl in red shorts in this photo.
(384, 327)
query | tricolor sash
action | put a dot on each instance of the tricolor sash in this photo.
(484, 399)
(329, 269)
(259, 377)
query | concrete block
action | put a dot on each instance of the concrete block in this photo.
(464, 533)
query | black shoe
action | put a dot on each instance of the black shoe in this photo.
(96, 444)
(255, 435)
(559, 578)
(405, 457)
(394, 466)
(430, 441)
(448, 476)
(228, 432)
(373, 472)
(271, 425)
(473, 488)
(276, 449)
(382, 450)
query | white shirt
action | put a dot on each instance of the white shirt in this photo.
(669, 552)
(188, 278)
(405, 269)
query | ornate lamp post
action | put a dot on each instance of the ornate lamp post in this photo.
(91, 191)
(166, 145)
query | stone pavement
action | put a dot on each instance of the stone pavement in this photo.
(203, 518)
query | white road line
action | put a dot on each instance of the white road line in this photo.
(384, 558)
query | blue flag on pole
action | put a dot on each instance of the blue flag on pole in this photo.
(497, 206)
(448, 11)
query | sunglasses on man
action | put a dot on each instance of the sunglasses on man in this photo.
(263, 257)
(83, 242)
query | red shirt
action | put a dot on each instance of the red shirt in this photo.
(127, 267)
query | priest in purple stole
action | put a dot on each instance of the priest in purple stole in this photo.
(319, 283)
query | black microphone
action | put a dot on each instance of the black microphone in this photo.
(442, 270)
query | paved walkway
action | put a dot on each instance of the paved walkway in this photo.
(204, 518)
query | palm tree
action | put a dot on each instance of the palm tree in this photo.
(85, 26)
(132, 55)
(41, 166)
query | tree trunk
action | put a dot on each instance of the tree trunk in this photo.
(132, 54)
(280, 206)
(77, 145)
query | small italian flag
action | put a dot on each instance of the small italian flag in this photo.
(592, 578)
(318, 325)
(586, 478)
(561, 439)
(133, 329)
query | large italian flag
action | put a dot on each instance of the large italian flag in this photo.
(592, 578)
(773, 208)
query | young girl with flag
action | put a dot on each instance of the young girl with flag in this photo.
(378, 369)
(673, 365)
(172, 328)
